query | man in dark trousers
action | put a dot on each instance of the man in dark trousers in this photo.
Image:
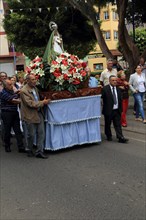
(10, 116)
(112, 108)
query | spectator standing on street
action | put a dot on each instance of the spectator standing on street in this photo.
(10, 116)
(138, 87)
(15, 86)
(32, 115)
(20, 81)
(3, 76)
(104, 77)
(112, 108)
(124, 87)
(143, 66)
(117, 66)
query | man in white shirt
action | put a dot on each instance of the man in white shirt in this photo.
(104, 77)
(112, 108)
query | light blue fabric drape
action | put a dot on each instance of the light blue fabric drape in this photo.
(72, 122)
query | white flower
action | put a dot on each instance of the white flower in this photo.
(60, 80)
(66, 54)
(63, 67)
(65, 71)
(71, 80)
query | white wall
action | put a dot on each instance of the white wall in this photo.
(8, 68)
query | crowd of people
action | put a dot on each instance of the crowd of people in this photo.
(22, 99)
(22, 109)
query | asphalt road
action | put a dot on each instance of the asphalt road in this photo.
(92, 182)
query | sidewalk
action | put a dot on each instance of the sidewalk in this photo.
(133, 126)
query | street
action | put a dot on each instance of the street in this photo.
(104, 181)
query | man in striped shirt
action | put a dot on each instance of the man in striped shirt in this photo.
(10, 116)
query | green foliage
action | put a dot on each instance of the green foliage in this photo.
(29, 30)
(140, 39)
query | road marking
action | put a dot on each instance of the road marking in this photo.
(143, 141)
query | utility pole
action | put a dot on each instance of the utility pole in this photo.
(133, 19)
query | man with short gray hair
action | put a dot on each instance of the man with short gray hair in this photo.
(32, 115)
(3, 76)
(104, 77)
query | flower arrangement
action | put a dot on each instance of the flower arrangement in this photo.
(36, 67)
(68, 72)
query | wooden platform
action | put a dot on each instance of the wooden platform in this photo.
(55, 95)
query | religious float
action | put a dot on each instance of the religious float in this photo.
(73, 115)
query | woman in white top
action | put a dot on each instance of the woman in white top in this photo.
(137, 85)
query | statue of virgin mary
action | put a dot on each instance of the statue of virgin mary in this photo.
(55, 44)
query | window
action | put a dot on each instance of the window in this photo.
(115, 35)
(115, 15)
(107, 35)
(98, 66)
(106, 15)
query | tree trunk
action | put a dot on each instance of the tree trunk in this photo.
(88, 10)
(129, 49)
(101, 41)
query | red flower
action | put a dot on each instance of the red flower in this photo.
(75, 62)
(37, 59)
(62, 55)
(64, 62)
(84, 64)
(79, 65)
(57, 73)
(28, 70)
(37, 77)
(41, 66)
(65, 76)
(73, 58)
(54, 62)
(83, 73)
(76, 81)
(72, 70)
(34, 66)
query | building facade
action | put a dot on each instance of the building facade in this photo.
(109, 26)
(10, 60)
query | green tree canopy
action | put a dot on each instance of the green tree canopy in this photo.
(140, 39)
(28, 27)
